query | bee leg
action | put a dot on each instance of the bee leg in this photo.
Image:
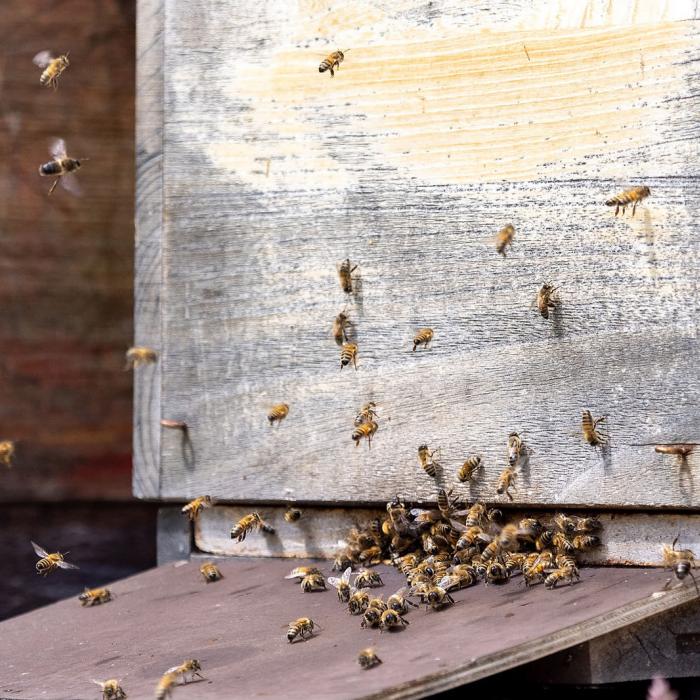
(331, 70)
(617, 209)
(53, 187)
(634, 208)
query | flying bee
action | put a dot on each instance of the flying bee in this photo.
(94, 596)
(391, 620)
(191, 666)
(680, 450)
(505, 482)
(278, 413)
(438, 598)
(633, 197)
(313, 582)
(423, 337)
(341, 323)
(303, 628)
(61, 167)
(367, 658)
(476, 515)
(250, 522)
(291, 515)
(53, 67)
(591, 524)
(515, 448)
(508, 537)
(496, 572)
(342, 585)
(210, 572)
(588, 427)
(358, 602)
(368, 578)
(366, 414)
(559, 575)
(50, 562)
(194, 508)
(139, 356)
(504, 239)
(348, 354)
(111, 689)
(7, 452)
(165, 686)
(562, 543)
(546, 299)
(366, 430)
(398, 602)
(345, 278)
(302, 572)
(330, 62)
(425, 457)
(529, 528)
(371, 555)
(466, 471)
(564, 523)
(680, 561)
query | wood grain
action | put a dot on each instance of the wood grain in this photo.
(273, 175)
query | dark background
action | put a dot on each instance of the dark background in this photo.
(66, 301)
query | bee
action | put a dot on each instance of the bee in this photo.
(479, 568)
(174, 424)
(61, 167)
(437, 597)
(444, 505)
(466, 471)
(564, 523)
(366, 414)
(49, 562)
(514, 561)
(94, 596)
(455, 581)
(425, 457)
(544, 540)
(398, 602)
(504, 239)
(368, 578)
(342, 585)
(584, 542)
(681, 451)
(559, 575)
(291, 515)
(680, 561)
(588, 524)
(278, 413)
(191, 666)
(565, 561)
(301, 628)
(345, 275)
(529, 528)
(391, 620)
(358, 602)
(407, 562)
(515, 448)
(508, 537)
(366, 430)
(633, 197)
(341, 323)
(492, 550)
(194, 508)
(165, 685)
(249, 522)
(367, 658)
(341, 561)
(313, 582)
(546, 299)
(476, 515)
(333, 60)
(7, 452)
(371, 617)
(588, 428)
(111, 690)
(210, 572)
(505, 482)
(535, 570)
(138, 356)
(496, 572)
(302, 572)
(53, 67)
(562, 543)
(423, 337)
(348, 354)
(372, 555)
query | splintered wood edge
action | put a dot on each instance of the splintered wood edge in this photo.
(629, 539)
(149, 230)
(544, 646)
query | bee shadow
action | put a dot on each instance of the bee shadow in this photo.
(606, 457)
(357, 293)
(187, 448)
(558, 320)
(685, 480)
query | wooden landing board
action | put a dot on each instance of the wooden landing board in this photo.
(441, 126)
(168, 614)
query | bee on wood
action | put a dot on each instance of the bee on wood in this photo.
(367, 658)
(302, 627)
(278, 413)
(50, 562)
(546, 299)
(366, 414)
(250, 522)
(341, 561)
(425, 457)
(560, 575)
(562, 543)
(191, 666)
(94, 596)
(291, 515)
(467, 470)
(139, 356)
(53, 67)
(368, 578)
(457, 580)
(195, 507)
(61, 167)
(564, 523)
(165, 685)
(7, 452)
(680, 561)
(398, 602)
(391, 620)
(358, 602)
(513, 561)
(332, 61)
(366, 430)
(371, 617)
(302, 571)
(423, 337)
(341, 323)
(535, 569)
(313, 582)
(633, 197)
(342, 585)
(348, 354)
(345, 270)
(582, 543)
(506, 481)
(111, 689)
(589, 429)
(210, 572)
(504, 239)
(437, 598)
(515, 449)
(496, 572)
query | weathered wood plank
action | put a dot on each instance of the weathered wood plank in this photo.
(632, 539)
(149, 221)
(274, 174)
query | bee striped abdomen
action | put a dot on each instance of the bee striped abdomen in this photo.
(53, 167)
(348, 354)
(423, 337)
(632, 196)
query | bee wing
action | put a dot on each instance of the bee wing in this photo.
(40, 551)
(70, 183)
(346, 575)
(57, 148)
(63, 564)
(335, 581)
(175, 668)
(42, 59)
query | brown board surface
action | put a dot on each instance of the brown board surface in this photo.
(443, 124)
(236, 629)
